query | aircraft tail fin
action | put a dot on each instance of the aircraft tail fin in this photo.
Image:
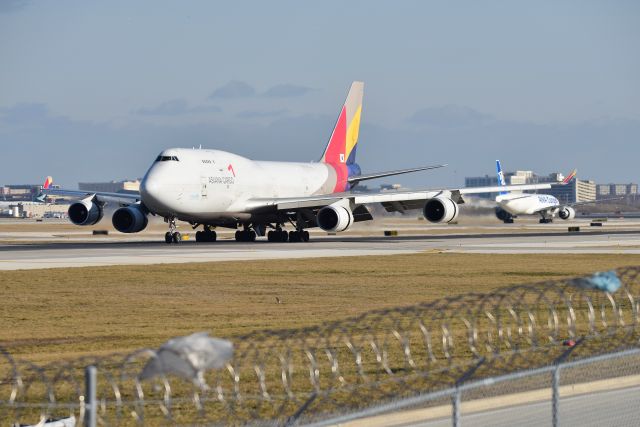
(47, 183)
(569, 177)
(501, 180)
(344, 138)
(41, 197)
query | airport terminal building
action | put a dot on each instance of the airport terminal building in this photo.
(111, 186)
(576, 191)
(605, 191)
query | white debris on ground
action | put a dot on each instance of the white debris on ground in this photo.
(60, 422)
(189, 357)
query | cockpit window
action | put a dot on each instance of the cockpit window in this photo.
(167, 159)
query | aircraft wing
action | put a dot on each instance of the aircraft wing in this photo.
(392, 201)
(358, 178)
(119, 198)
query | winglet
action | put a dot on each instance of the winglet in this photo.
(501, 180)
(570, 177)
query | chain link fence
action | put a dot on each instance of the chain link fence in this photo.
(348, 367)
(592, 391)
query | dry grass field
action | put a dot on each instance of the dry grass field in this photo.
(61, 313)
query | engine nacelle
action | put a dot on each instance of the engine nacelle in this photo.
(334, 218)
(503, 215)
(85, 212)
(567, 213)
(440, 209)
(130, 219)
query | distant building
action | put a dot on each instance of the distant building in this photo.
(362, 188)
(605, 191)
(575, 191)
(111, 187)
(20, 192)
(511, 178)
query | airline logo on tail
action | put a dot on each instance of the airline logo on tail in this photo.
(47, 182)
(501, 180)
(570, 177)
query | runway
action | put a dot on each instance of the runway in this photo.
(87, 252)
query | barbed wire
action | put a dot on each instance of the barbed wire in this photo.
(285, 376)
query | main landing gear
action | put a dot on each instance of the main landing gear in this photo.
(246, 235)
(546, 220)
(298, 236)
(172, 236)
(280, 235)
(206, 235)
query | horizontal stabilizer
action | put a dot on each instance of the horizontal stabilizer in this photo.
(354, 179)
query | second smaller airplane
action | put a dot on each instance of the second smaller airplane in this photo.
(510, 205)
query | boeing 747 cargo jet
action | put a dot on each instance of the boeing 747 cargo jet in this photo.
(212, 188)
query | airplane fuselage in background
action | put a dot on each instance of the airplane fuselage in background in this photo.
(526, 204)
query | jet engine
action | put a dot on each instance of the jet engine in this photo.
(503, 215)
(440, 209)
(567, 212)
(335, 217)
(130, 219)
(85, 212)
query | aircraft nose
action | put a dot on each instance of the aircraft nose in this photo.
(151, 192)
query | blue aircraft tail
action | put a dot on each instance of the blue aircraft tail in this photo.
(501, 180)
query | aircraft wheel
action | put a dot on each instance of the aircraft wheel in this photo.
(284, 236)
(177, 237)
(213, 236)
(251, 236)
(270, 236)
(238, 236)
(168, 238)
(199, 236)
(305, 236)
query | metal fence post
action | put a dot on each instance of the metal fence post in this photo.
(455, 408)
(90, 400)
(555, 395)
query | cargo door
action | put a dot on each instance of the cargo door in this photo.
(203, 186)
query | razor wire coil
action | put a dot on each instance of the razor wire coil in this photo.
(380, 355)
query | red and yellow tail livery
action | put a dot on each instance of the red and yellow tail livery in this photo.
(341, 149)
(570, 176)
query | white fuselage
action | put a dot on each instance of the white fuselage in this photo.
(202, 186)
(527, 204)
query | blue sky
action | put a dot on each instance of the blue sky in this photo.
(94, 90)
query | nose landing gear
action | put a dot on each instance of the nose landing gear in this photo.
(172, 236)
